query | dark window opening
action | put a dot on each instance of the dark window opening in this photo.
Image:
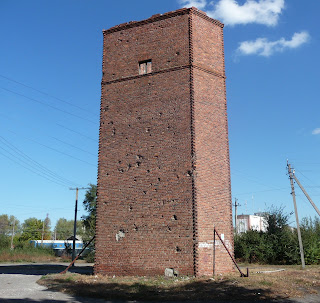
(145, 67)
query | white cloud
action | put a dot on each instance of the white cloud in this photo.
(231, 13)
(200, 4)
(266, 48)
(316, 131)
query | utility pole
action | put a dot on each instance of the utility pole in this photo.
(291, 177)
(14, 222)
(42, 234)
(75, 222)
(306, 194)
(236, 214)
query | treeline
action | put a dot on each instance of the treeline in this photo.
(279, 244)
(13, 234)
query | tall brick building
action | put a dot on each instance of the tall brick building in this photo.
(163, 177)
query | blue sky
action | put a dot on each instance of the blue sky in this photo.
(50, 59)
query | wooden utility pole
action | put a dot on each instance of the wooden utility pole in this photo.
(42, 234)
(75, 223)
(14, 222)
(296, 213)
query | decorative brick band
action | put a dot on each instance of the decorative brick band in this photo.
(165, 71)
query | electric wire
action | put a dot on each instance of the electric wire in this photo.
(51, 106)
(54, 149)
(28, 168)
(41, 168)
(51, 96)
(55, 138)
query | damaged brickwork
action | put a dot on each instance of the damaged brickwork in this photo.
(163, 174)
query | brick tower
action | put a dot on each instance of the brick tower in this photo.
(163, 177)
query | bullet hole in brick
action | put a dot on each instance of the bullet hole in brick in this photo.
(155, 189)
(147, 129)
(113, 131)
(160, 114)
(169, 228)
(120, 170)
(144, 192)
(148, 170)
(106, 108)
(120, 234)
(156, 156)
(138, 163)
(150, 184)
(130, 208)
(159, 167)
(134, 179)
(178, 177)
(119, 161)
(149, 83)
(177, 53)
(168, 127)
(159, 179)
(174, 218)
(189, 173)
(161, 216)
(135, 227)
(168, 61)
(129, 125)
(127, 155)
(150, 135)
(127, 41)
(178, 249)
(107, 174)
(128, 166)
(111, 122)
(139, 157)
(139, 118)
(113, 75)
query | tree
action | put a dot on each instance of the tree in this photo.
(64, 229)
(33, 228)
(90, 204)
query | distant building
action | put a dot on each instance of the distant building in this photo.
(248, 222)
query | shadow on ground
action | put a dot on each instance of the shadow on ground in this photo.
(43, 269)
(198, 291)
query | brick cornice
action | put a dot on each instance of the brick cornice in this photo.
(158, 17)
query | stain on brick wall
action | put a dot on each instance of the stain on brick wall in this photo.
(163, 174)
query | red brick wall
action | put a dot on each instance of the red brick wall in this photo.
(154, 195)
(212, 174)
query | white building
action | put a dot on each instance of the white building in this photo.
(254, 222)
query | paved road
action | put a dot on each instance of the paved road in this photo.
(18, 284)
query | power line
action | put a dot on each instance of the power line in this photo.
(76, 132)
(76, 147)
(42, 169)
(46, 94)
(54, 149)
(31, 169)
(46, 104)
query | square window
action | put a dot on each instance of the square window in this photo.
(145, 67)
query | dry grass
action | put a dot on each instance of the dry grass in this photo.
(292, 282)
(26, 255)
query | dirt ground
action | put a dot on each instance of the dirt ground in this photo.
(264, 284)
